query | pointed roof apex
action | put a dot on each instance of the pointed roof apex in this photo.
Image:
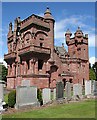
(68, 32)
(79, 30)
(47, 11)
(48, 15)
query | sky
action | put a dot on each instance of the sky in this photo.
(66, 14)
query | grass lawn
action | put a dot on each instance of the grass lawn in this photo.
(83, 109)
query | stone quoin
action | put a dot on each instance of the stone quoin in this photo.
(33, 56)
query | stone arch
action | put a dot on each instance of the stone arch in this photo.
(27, 38)
(40, 32)
(26, 34)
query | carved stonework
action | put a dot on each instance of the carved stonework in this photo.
(33, 56)
(14, 46)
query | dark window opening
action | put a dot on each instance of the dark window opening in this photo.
(70, 80)
(41, 44)
(40, 64)
(79, 49)
(28, 66)
(83, 81)
(64, 81)
(27, 40)
(15, 70)
(41, 38)
(11, 66)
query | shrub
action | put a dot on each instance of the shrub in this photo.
(39, 96)
(12, 98)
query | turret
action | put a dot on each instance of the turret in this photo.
(48, 17)
(78, 33)
(16, 23)
(67, 36)
(10, 27)
(10, 30)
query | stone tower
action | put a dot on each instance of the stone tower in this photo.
(78, 49)
(78, 45)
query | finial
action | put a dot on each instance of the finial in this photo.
(47, 11)
(47, 7)
(78, 28)
(62, 44)
(68, 30)
(10, 26)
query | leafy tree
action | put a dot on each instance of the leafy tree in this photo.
(94, 67)
(3, 72)
(92, 75)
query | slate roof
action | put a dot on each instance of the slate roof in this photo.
(61, 51)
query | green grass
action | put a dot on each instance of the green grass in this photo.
(83, 109)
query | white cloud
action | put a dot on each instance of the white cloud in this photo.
(4, 63)
(73, 22)
(92, 42)
(92, 60)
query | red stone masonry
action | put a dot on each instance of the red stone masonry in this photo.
(33, 56)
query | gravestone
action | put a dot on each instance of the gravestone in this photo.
(46, 95)
(26, 96)
(88, 88)
(77, 90)
(59, 90)
(1, 107)
(92, 87)
(1, 91)
(95, 88)
(1, 97)
(68, 90)
(54, 93)
(25, 83)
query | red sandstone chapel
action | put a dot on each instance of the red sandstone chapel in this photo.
(33, 56)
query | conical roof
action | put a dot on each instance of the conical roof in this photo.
(79, 30)
(47, 14)
(68, 32)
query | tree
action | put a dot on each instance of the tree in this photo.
(92, 75)
(3, 72)
(94, 67)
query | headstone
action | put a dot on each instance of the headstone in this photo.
(1, 97)
(59, 90)
(95, 88)
(54, 93)
(68, 90)
(46, 95)
(25, 83)
(1, 92)
(77, 89)
(88, 87)
(26, 95)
